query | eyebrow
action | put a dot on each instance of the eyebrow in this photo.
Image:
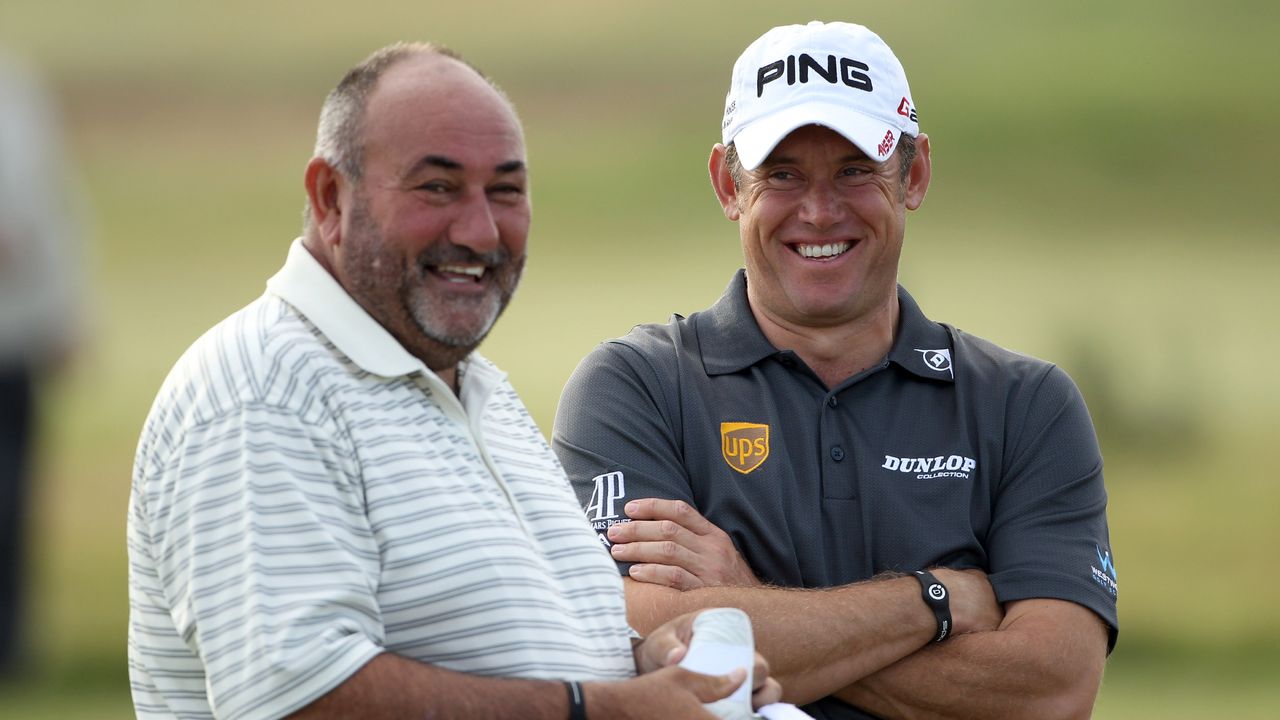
(447, 163)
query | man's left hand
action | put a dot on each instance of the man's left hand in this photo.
(672, 544)
(668, 644)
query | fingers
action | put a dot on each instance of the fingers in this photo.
(710, 688)
(670, 544)
(677, 511)
(666, 645)
(666, 575)
(666, 553)
(760, 671)
(768, 693)
(650, 531)
(765, 689)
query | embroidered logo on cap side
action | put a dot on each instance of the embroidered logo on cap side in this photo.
(745, 446)
(906, 110)
(886, 143)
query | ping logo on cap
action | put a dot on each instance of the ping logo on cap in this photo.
(837, 70)
(744, 445)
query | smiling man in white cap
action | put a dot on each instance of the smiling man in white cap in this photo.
(914, 517)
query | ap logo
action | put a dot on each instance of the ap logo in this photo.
(610, 488)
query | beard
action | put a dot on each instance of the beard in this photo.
(439, 327)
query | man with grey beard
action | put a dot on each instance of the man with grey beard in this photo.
(339, 509)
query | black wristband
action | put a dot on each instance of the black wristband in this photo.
(577, 701)
(936, 597)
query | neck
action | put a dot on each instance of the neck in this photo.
(837, 352)
(450, 377)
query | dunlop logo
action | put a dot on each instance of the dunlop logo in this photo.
(744, 445)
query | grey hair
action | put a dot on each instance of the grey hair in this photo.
(340, 134)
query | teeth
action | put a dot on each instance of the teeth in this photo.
(476, 271)
(822, 251)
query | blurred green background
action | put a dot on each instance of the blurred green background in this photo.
(1103, 196)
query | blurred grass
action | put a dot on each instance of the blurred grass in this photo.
(1103, 196)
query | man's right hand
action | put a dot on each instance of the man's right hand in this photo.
(668, 644)
(671, 692)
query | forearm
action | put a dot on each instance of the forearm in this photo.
(816, 641)
(1046, 663)
(392, 686)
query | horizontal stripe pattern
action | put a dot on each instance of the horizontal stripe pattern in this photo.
(292, 516)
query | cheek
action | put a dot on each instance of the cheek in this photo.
(420, 229)
(761, 220)
(879, 201)
(514, 229)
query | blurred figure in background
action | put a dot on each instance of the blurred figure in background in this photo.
(39, 281)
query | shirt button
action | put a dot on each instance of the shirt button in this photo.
(837, 453)
(832, 402)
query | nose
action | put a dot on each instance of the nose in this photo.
(822, 204)
(474, 227)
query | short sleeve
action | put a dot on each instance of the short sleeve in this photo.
(1049, 535)
(618, 437)
(265, 559)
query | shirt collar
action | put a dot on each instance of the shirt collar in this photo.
(731, 340)
(921, 347)
(728, 334)
(305, 284)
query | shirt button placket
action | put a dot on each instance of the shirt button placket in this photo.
(837, 452)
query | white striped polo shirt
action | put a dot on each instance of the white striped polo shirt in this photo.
(307, 494)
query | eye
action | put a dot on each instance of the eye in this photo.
(507, 192)
(435, 187)
(854, 171)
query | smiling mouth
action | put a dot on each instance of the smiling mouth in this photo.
(460, 273)
(823, 252)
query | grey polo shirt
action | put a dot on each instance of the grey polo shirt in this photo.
(952, 452)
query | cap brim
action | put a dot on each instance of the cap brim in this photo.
(756, 140)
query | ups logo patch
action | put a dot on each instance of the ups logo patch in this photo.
(744, 445)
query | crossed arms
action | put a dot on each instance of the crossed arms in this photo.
(869, 643)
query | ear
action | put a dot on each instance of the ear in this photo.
(324, 184)
(921, 172)
(722, 182)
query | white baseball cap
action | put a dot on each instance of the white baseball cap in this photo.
(839, 75)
